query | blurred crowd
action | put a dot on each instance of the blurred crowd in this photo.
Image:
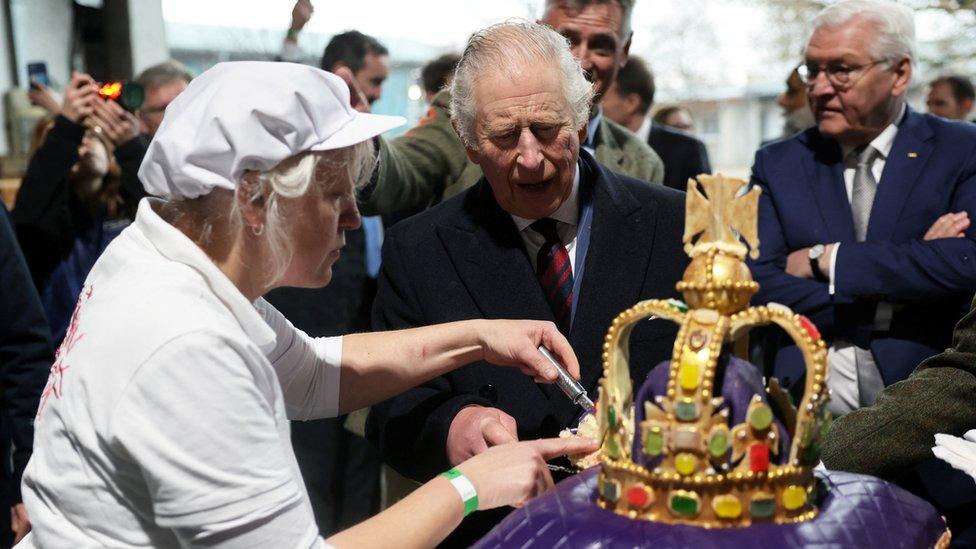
(864, 223)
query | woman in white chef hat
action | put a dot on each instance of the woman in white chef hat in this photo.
(165, 419)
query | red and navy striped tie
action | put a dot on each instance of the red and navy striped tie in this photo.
(555, 273)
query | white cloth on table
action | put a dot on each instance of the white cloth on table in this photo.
(164, 420)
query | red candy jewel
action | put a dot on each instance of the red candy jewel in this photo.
(638, 497)
(809, 327)
(758, 457)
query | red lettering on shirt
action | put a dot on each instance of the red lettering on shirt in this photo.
(72, 336)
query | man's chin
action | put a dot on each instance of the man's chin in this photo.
(833, 127)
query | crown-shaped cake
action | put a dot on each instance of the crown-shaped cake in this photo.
(684, 462)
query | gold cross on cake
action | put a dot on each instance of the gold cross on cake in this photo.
(720, 216)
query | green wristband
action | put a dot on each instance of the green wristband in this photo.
(465, 489)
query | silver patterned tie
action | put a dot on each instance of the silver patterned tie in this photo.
(863, 190)
(869, 382)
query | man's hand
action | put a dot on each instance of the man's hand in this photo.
(119, 125)
(19, 522)
(79, 98)
(300, 14)
(798, 263)
(356, 96)
(44, 97)
(516, 343)
(477, 428)
(950, 225)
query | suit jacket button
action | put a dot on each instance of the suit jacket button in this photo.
(488, 392)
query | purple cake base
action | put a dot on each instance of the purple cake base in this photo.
(858, 511)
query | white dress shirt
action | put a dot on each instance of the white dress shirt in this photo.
(844, 370)
(644, 131)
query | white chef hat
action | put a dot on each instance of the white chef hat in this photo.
(250, 115)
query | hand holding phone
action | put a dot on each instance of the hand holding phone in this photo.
(79, 98)
(37, 74)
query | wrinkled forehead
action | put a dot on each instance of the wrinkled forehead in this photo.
(522, 93)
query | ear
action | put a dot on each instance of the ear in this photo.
(582, 133)
(473, 154)
(966, 105)
(253, 208)
(632, 101)
(143, 128)
(903, 75)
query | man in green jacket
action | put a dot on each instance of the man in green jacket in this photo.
(893, 438)
(429, 163)
(897, 433)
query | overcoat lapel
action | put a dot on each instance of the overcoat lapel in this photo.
(491, 262)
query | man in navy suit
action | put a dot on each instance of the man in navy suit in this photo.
(865, 219)
(548, 233)
(627, 102)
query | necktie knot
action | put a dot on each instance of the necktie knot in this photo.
(547, 228)
(866, 155)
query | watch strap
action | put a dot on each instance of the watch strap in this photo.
(818, 274)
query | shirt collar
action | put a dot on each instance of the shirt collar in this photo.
(176, 246)
(591, 128)
(567, 212)
(885, 140)
(644, 131)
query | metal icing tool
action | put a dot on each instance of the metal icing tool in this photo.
(567, 384)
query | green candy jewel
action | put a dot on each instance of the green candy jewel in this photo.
(761, 417)
(686, 410)
(718, 445)
(680, 305)
(653, 441)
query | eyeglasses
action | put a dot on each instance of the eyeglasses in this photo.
(840, 76)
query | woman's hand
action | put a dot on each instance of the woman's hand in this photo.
(516, 343)
(514, 473)
(79, 98)
(119, 125)
(44, 97)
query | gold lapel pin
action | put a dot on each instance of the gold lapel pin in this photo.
(913, 155)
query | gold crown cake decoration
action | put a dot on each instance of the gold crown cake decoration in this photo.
(701, 470)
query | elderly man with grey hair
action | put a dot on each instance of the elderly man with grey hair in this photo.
(865, 227)
(429, 164)
(547, 233)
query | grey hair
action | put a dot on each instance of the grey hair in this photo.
(292, 178)
(515, 49)
(163, 73)
(626, 6)
(895, 25)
